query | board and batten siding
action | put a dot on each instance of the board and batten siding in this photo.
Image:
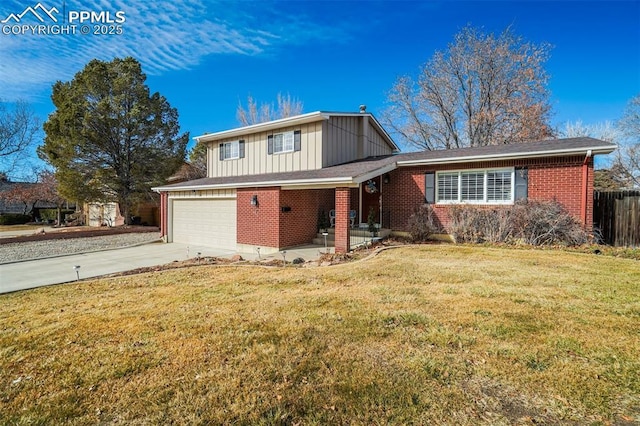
(256, 159)
(376, 145)
(350, 138)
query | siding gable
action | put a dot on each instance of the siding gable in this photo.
(350, 138)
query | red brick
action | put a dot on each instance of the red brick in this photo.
(556, 178)
(343, 205)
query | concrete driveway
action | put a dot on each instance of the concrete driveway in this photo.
(56, 270)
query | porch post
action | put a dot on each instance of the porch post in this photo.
(343, 204)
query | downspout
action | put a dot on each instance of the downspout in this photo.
(585, 187)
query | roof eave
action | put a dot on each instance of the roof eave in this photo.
(511, 156)
(263, 127)
(374, 173)
(337, 181)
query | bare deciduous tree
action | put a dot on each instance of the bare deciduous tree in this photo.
(483, 90)
(286, 106)
(611, 175)
(28, 194)
(19, 127)
(629, 150)
(606, 131)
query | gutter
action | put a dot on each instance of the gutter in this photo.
(339, 181)
(509, 156)
(262, 127)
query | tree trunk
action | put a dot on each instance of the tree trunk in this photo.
(125, 213)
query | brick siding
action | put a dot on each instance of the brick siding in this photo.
(300, 225)
(558, 178)
(267, 225)
(258, 225)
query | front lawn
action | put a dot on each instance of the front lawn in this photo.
(428, 335)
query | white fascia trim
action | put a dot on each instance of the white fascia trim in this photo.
(341, 181)
(261, 127)
(378, 172)
(535, 154)
(382, 130)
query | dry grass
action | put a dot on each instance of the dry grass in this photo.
(436, 334)
(20, 227)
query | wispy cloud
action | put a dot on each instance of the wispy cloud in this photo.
(164, 35)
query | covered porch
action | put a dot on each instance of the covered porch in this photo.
(355, 217)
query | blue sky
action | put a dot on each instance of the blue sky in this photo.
(206, 56)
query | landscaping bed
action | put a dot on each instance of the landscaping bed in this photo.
(77, 232)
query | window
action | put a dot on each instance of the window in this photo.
(231, 150)
(283, 142)
(472, 186)
(475, 186)
(448, 186)
(499, 185)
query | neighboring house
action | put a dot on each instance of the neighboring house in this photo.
(15, 207)
(267, 183)
(145, 213)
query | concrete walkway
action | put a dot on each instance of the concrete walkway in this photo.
(42, 272)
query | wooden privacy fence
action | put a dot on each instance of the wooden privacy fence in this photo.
(616, 215)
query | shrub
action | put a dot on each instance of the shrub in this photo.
(546, 223)
(323, 221)
(14, 219)
(531, 222)
(422, 223)
(471, 224)
(52, 214)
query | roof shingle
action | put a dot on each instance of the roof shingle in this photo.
(354, 171)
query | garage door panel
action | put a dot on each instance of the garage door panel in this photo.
(208, 222)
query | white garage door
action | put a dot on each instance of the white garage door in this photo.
(208, 222)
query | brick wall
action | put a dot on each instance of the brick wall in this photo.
(259, 225)
(300, 225)
(267, 225)
(563, 182)
(558, 178)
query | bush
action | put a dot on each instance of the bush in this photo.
(14, 219)
(546, 223)
(470, 224)
(531, 222)
(422, 223)
(52, 214)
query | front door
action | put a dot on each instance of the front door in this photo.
(371, 199)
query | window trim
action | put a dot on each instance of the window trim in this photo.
(237, 150)
(485, 200)
(293, 142)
